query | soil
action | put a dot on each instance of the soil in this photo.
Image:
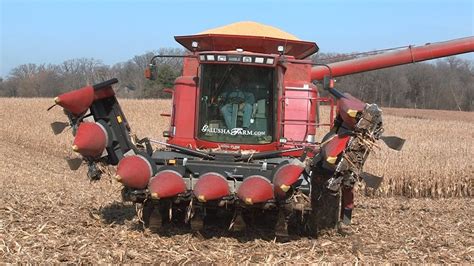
(49, 213)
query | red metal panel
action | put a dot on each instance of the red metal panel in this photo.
(190, 66)
(255, 189)
(256, 44)
(285, 176)
(297, 72)
(405, 56)
(134, 171)
(184, 111)
(298, 108)
(211, 186)
(90, 140)
(347, 106)
(335, 146)
(104, 93)
(165, 184)
(76, 101)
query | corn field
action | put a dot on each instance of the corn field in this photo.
(48, 213)
(436, 160)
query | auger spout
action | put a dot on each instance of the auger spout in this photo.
(412, 54)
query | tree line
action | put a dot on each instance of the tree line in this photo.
(49, 80)
(443, 84)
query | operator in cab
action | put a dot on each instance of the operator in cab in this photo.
(236, 100)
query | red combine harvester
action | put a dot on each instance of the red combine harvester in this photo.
(241, 146)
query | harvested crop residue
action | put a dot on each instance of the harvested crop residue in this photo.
(51, 214)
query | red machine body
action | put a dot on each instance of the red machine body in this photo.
(298, 98)
(296, 113)
(242, 131)
(412, 54)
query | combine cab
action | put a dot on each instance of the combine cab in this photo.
(241, 146)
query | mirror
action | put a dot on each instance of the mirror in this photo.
(150, 72)
(328, 83)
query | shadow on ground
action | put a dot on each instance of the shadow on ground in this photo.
(117, 213)
(216, 227)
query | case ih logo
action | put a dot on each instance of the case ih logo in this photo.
(232, 132)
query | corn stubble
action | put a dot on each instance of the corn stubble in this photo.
(436, 160)
(50, 213)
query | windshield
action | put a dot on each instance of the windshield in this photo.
(236, 104)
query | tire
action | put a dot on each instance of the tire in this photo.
(152, 216)
(218, 218)
(260, 220)
(148, 210)
(325, 204)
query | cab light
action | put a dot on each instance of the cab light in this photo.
(222, 58)
(270, 61)
(233, 58)
(259, 60)
(210, 57)
(247, 59)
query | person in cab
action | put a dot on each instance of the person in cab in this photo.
(237, 101)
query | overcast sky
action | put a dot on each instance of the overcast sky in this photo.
(52, 31)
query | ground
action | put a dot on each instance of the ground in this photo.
(50, 213)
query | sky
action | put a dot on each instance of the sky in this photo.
(52, 31)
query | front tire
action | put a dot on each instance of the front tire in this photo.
(325, 204)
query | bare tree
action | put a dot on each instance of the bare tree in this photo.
(445, 84)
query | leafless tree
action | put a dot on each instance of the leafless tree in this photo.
(443, 84)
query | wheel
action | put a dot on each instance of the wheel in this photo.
(260, 219)
(151, 216)
(325, 204)
(216, 218)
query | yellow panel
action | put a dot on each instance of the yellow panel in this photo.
(285, 188)
(352, 113)
(331, 160)
(201, 198)
(248, 201)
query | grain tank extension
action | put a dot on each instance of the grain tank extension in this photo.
(241, 144)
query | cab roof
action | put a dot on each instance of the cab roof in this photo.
(249, 36)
